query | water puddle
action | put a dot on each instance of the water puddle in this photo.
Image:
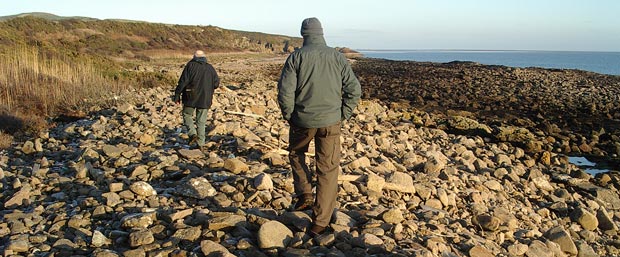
(588, 166)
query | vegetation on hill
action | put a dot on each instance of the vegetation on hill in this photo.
(54, 65)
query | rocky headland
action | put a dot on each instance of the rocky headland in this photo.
(454, 159)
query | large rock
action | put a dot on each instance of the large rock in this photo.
(610, 198)
(198, 188)
(605, 222)
(586, 219)
(141, 237)
(226, 222)
(467, 126)
(263, 181)
(142, 188)
(561, 237)
(236, 166)
(375, 183)
(393, 216)
(213, 249)
(191, 153)
(138, 220)
(538, 249)
(401, 182)
(273, 235)
(362, 162)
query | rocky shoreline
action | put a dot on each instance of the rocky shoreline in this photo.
(433, 164)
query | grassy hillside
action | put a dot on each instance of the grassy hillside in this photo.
(52, 65)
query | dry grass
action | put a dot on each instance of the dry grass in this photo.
(5, 140)
(34, 85)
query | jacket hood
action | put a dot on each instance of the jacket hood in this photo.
(200, 59)
(314, 40)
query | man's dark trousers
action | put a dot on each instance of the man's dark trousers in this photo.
(327, 151)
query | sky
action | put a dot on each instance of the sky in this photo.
(557, 25)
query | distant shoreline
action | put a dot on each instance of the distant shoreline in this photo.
(477, 51)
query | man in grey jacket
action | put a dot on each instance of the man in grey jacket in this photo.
(316, 91)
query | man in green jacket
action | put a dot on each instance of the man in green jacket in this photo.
(316, 91)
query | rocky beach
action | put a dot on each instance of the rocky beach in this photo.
(455, 159)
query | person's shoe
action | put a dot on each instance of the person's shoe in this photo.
(316, 230)
(304, 203)
(192, 139)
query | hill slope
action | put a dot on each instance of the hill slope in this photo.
(115, 38)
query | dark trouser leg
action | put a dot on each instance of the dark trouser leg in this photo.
(327, 142)
(299, 140)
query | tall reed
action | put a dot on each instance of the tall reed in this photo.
(41, 84)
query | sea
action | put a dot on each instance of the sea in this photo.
(599, 62)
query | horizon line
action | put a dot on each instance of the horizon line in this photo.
(477, 50)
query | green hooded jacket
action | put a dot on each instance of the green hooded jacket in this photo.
(317, 87)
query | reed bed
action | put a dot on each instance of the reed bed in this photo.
(36, 86)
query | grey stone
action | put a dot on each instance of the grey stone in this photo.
(198, 188)
(401, 182)
(213, 249)
(263, 181)
(538, 249)
(273, 235)
(141, 237)
(226, 221)
(99, 240)
(138, 220)
(143, 188)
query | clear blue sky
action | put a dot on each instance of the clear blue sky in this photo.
(582, 25)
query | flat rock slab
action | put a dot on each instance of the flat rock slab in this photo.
(191, 154)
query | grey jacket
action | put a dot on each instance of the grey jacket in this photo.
(317, 87)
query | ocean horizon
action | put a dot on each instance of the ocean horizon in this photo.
(599, 62)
